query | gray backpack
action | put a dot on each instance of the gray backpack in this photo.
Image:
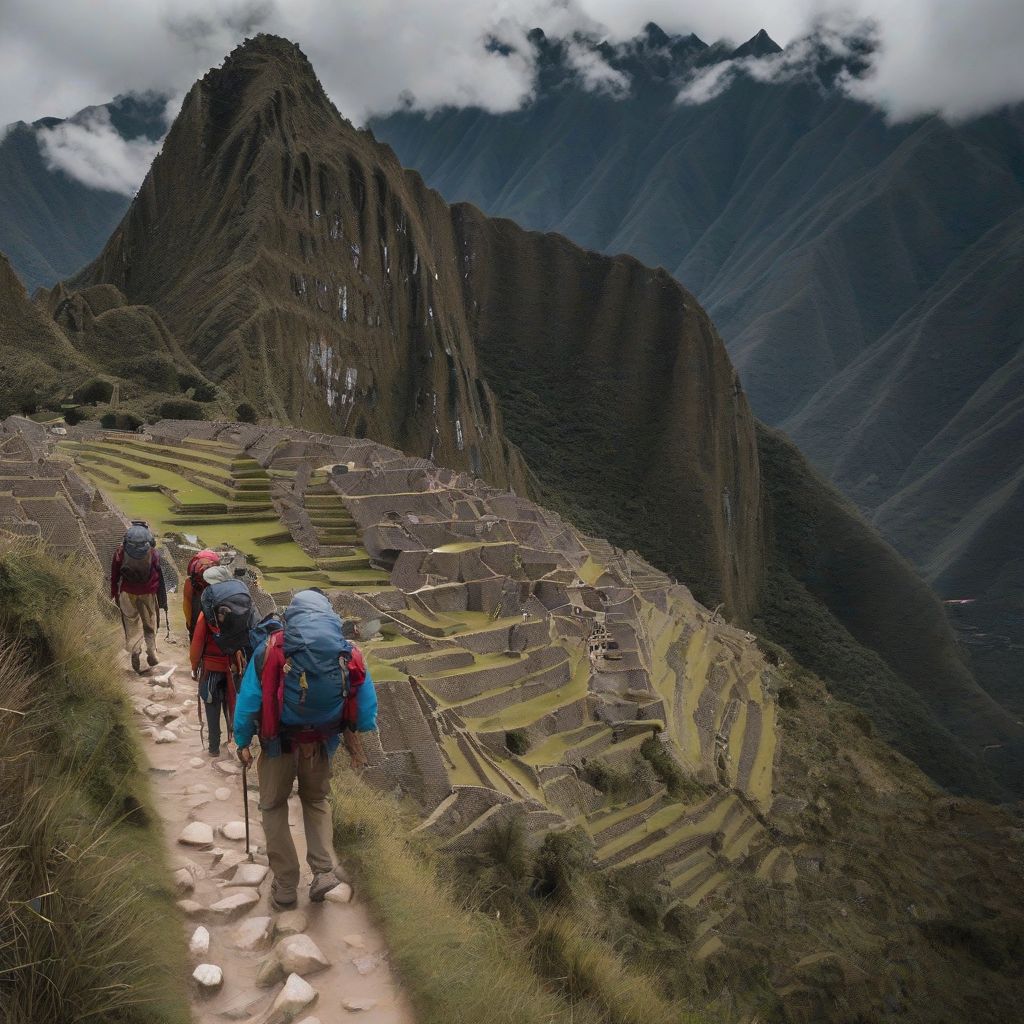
(137, 553)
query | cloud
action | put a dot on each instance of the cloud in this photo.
(58, 56)
(596, 74)
(92, 151)
(800, 59)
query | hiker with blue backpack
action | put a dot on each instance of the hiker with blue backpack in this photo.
(138, 589)
(219, 647)
(305, 688)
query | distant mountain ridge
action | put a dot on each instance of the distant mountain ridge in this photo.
(867, 278)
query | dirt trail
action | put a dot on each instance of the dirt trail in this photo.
(190, 786)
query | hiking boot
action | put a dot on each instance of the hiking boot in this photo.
(137, 662)
(323, 882)
(152, 659)
(281, 905)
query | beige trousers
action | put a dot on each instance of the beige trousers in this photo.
(276, 776)
(138, 613)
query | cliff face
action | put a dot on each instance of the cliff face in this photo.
(305, 271)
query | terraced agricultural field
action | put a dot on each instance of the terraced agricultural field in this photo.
(522, 668)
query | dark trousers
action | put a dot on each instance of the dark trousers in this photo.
(212, 693)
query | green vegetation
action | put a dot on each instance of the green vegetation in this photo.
(537, 961)
(87, 924)
(669, 773)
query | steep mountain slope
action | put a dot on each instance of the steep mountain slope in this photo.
(301, 268)
(865, 277)
(304, 269)
(52, 224)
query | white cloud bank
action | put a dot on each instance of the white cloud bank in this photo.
(58, 56)
(91, 150)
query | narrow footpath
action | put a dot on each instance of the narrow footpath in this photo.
(319, 964)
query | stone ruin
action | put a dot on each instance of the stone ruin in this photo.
(518, 660)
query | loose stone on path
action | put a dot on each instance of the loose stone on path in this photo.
(235, 905)
(292, 1000)
(254, 934)
(299, 954)
(233, 830)
(209, 978)
(196, 833)
(291, 922)
(341, 893)
(199, 944)
(249, 875)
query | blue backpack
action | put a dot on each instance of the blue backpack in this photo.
(228, 608)
(316, 680)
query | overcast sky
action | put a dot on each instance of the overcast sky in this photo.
(957, 57)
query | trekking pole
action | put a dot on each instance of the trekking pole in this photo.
(245, 801)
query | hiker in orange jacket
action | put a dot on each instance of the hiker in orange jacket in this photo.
(215, 671)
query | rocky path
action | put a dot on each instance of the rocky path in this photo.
(319, 964)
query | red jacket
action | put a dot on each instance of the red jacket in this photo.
(154, 585)
(205, 651)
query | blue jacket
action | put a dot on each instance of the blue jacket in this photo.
(250, 697)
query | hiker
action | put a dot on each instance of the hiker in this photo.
(306, 686)
(195, 585)
(137, 588)
(215, 668)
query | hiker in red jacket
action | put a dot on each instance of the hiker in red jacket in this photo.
(137, 588)
(215, 670)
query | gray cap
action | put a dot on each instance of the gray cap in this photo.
(217, 574)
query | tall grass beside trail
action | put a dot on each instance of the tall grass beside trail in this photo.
(460, 964)
(88, 931)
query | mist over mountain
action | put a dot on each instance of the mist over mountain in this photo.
(64, 184)
(866, 276)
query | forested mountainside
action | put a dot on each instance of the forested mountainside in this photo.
(302, 272)
(866, 276)
(51, 222)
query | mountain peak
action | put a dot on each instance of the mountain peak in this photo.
(655, 35)
(760, 45)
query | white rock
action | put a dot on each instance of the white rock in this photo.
(233, 830)
(227, 863)
(249, 874)
(184, 883)
(291, 1001)
(309, 1020)
(222, 793)
(299, 954)
(209, 977)
(199, 944)
(166, 736)
(160, 695)
(228, 767)
(217, 853)
(341, 893)
(199, 787)
(190, 908)
(164, 679)
(355, 1005)
(235, 904)
(253, 934)
(197, 762)
(291, 922)
(198, 833)
(355, 941)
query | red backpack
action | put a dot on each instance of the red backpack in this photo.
(198, 564)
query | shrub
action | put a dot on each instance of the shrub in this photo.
(196, 388)
(109, 421)
(73, 416)
(94, 392)
(676, 781)
(245, 413)
(157, 371)
(517, 741)
(181, 409)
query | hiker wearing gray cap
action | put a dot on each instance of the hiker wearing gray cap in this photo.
(214, 670)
